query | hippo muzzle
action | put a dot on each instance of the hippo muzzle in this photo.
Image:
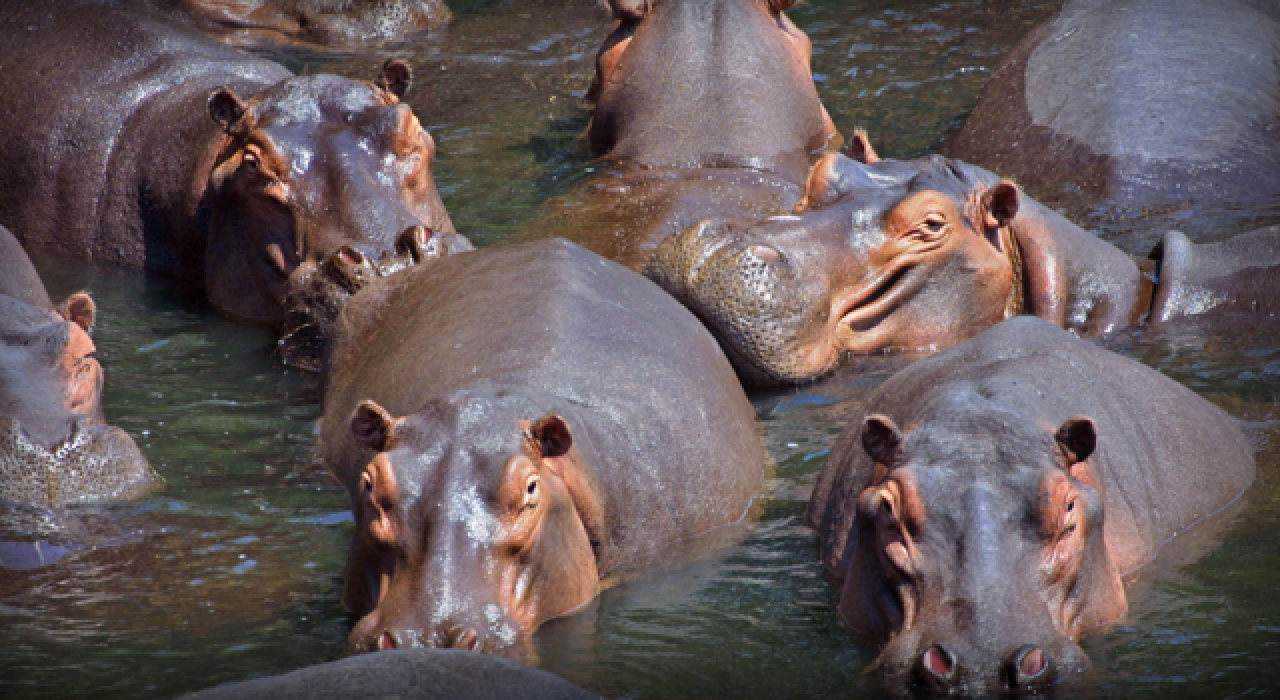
(94, 463)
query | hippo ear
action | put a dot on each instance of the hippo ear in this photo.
(630, 9)
(782, 5)
(860, 148)
(394, 77)
(881, 439)
(373, 426)
(553, 436)
(1000, 204)
(227, 109)
(79, 309)
(1077, 437)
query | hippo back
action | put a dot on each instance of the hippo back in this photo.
(659, 414)
(1167, 458)
(113, 148)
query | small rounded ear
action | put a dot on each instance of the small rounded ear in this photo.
(227, 109)
(1000, 204)
(553, 436)
(79, 309)
(1077, 437)
(394, 77)
(860, 148)
(373, 426)
(630, 9)
(881, 439)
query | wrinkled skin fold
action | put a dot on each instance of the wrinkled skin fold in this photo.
(978, 516)
(325, 21)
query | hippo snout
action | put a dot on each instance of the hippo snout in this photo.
(952, 666)
(373, 633)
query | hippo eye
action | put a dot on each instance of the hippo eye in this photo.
(935, 224)
(251, 159)
(367, 484)
(531, 493)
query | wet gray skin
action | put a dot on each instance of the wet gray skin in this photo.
(983, 539)
(323, 21)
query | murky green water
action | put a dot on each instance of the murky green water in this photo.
(234, 571)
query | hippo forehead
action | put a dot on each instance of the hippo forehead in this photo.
(876, 188)
(314, 100)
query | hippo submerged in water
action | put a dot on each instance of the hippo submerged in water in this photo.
(55, 448)
(326, 21)
(514, 425)
(702, 108)
(978, 518)
(924, 253)
(133, 141)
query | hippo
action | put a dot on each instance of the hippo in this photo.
(884, 254)
(1137, 105)
(324, 21)
(55, 447)
(157, 146)
(701, 108)
(514, 426)
(978, 518)
(412, 674)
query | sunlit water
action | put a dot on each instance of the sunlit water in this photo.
(234, 570)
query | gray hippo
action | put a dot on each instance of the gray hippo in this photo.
(702, 108)
(977, 519)
(324, 21)
(1140, 103)
(132, 141)
(55, 448)
(920, 254)
(515, 425)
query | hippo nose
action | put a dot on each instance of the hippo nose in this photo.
(1030, 666)
(766, 254)
(938, 664)
(393, 638)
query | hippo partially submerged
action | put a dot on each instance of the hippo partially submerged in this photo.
(702, 108)
(924, 253)
(137, 142)
(514, 425)
(978, 518)
(55, 448)
(325, 21)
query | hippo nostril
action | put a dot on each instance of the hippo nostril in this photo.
(418, 243)
(464, 638)
(350, 255)
(386, 641)
(939, 661)
(1030, 666)
(764, 253)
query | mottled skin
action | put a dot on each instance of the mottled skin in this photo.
(981, 539)
(1137, 103)
(702, 108)
(551, 418)
(921, 254)
(55, 449)
(325, 21)
(128, 141)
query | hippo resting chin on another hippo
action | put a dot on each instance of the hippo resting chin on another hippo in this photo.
(544, 418)
(1147, 103)
(133, 141)
(325, 21)
(1032, 470)
(702, 108)
(924, 253)
(54, 448)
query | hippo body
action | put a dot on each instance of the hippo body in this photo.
(921, 254)
(325, 21)
(1146, 103)
(702, 109)
(534, 381)
(128, 142)
(1032, 470)
(55, 449)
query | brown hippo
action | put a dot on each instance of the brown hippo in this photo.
(920, 254)
(513, 426)
(702, 108)
(55, 449)
(324, 21)
(1146, 103)
(981, 539)
(132, 141)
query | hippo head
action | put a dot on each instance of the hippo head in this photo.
(880, 254)
(707, 83)
(54, 448)
(308, 166)
(467, 544)
(981, 576)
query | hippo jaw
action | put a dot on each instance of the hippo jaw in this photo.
(464, 551)
(979, 584)
(93, 464)
(310, 165)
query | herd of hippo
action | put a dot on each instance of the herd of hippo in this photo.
(519, 427)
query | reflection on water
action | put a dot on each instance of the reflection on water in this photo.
(234, 571)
